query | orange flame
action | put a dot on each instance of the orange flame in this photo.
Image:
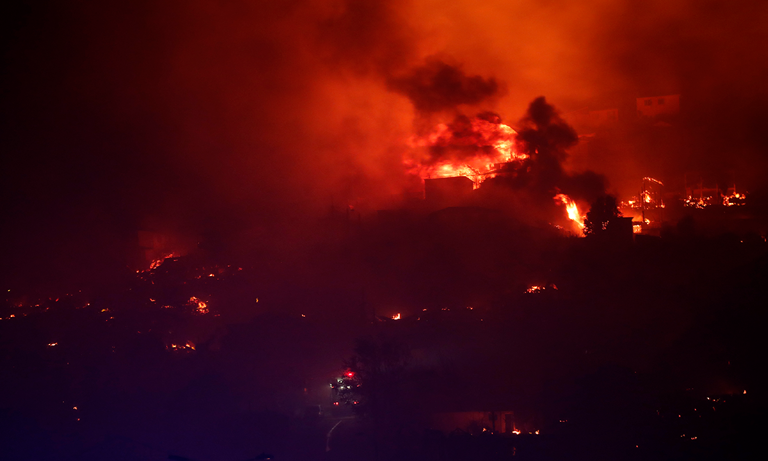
(188, 346)
(157, 262)
(648, 178)
(493, 141)
(202, 306)
(571, 209)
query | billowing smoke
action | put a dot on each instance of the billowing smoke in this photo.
(437, 86)
(527, 185)
(545, 137)
(200, 114)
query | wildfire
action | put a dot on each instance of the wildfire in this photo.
(540, 288)
(735, 199)
(488, 141)
(188, 346)
(571, 209)
(157, 262)
(648, 178)
(646, 197)
(396, 316)
(714, 197)
(202, 306)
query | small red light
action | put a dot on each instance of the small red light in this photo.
(350, 374)
(336, 403)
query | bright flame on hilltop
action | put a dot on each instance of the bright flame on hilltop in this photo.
(396, 316)
(572, 209)
(490, 143)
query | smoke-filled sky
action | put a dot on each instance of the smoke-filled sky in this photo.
(195, 114)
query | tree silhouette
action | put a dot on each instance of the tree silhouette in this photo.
(600, 213)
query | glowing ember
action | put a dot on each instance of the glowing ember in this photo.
(648, 178)
(734, 199)
(474, 148)
(571, 209)
(158, 262)
(540, 288)
(188, 346)
(646, 197)
(714, 197)
(202, 306)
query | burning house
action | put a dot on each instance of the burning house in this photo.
(479, 161)
(701, 193)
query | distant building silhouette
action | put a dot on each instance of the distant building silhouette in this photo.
(654, 106)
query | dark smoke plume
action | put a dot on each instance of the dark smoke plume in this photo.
(437, 86)
(545, 137)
